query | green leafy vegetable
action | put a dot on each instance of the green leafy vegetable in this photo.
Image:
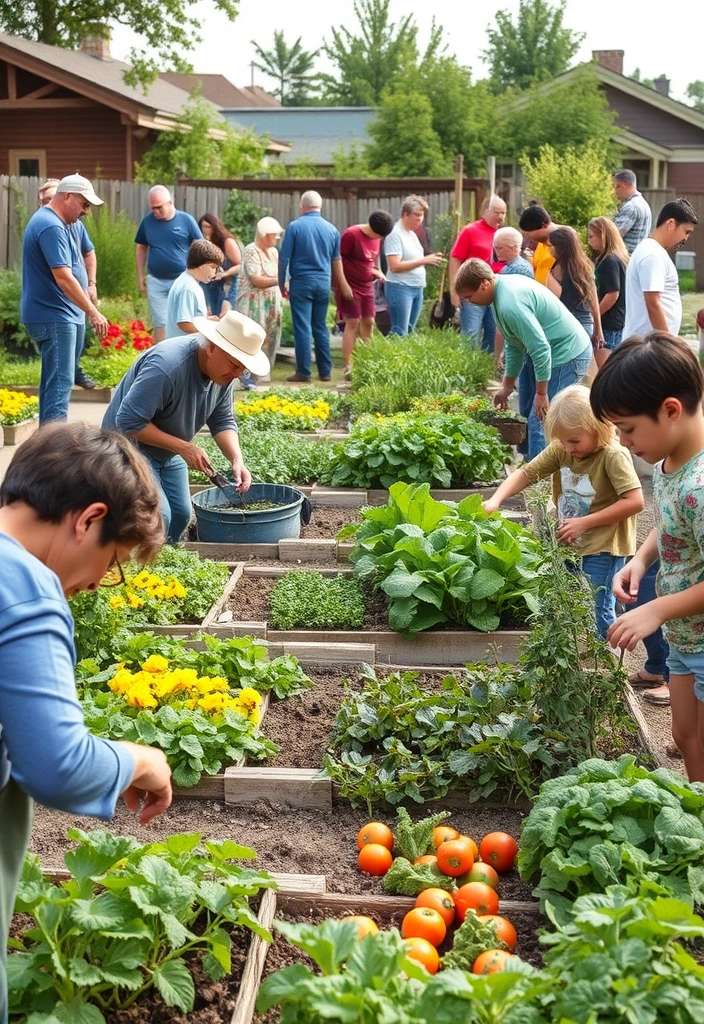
(406, 879)
(309, 600)
(469, 940)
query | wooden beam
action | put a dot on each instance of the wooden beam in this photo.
(297, 787)
(33, 105)
(11, 82)
(44, 90)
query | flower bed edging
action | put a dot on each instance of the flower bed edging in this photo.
(16, 433)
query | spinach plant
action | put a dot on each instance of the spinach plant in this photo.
(309, 600)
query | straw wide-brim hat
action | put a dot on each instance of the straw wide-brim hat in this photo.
(238, 336)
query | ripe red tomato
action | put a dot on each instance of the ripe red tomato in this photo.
(476, 896)
(442, 833)
(427, 858)
(504, 929)
(481, 872)
(375, 859)
(440, 900)
(425, 953)
(375, 832)
(455, 856)
(424, 923)
(499, 849)
(365, 925)
(490, 961)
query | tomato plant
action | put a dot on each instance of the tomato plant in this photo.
(476, 896)
(365, 925)
(375, 859)
(491, 961)
(499, 849)
(424, 923)
(455, 856)
(481, 872)
(375, 832)
(440, 900)
(505, 931)
(424, 952)
(443, 833)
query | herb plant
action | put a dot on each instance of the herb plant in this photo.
(309, 600)
(122, 924)
(273, 457)
(435, 448)
(439, 561)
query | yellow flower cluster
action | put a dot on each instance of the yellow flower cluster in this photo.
(153, 586)
(316, 410)
(156, 685)
(16, 407)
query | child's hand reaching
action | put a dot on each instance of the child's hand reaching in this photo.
(491, 505)
(628, 629)
(570, 529)
(626, 582)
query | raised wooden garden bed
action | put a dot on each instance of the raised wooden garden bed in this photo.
(77, 394)
(16, 433)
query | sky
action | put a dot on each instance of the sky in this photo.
(636, 28)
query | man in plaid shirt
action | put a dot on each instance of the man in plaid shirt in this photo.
(634, 218)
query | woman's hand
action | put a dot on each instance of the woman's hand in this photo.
(434, 259)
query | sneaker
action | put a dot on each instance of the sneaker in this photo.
(82, 380)
(297, 378)
(326, 379)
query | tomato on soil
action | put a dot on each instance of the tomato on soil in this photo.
(365, 925)
(443, 833)
(490, 961)
(504, 929)
(499, 849)
(424, 923)
(481, 872)
(427, 858)
(476, 896)
(375, 859)
(440, 900)
(375, 832)
(455, 856)
(426, 954)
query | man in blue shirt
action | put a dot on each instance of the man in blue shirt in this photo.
(54, 302)
(162, 242)
(309, 253)
(75, 502)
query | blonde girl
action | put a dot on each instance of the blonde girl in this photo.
(610, 261)
(595, 489)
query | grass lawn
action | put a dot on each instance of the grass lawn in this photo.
(692, 302)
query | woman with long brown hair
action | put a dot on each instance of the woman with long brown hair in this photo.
(571, 279)
(222, 292)
(610, 262)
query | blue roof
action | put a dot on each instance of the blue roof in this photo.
(314, 132)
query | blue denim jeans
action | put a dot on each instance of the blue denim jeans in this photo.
(476, 321)
(656, 646)
(172, 479)
(612, 339)
(405, 303)
(59, 345)
(560, 378)
(309, 298)
(526, 397)
(600, 570)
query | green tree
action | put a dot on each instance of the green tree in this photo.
(166, 27)
(350, 162)
(533, 48)
(695, 93)
(404, 142)
(365, 63)
(203, 145)
(574, 185)
(290, 66)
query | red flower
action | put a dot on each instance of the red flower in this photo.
(120, 344)
(137, 325)
(106, 343)
(114, 331)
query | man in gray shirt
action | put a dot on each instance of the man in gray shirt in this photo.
(172, 391)
(634, 218)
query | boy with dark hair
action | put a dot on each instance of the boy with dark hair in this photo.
(75, 503)
(651, 389)
(360, 246)
(186, 297)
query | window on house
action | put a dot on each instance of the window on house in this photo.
(28, 163)
(641, 169)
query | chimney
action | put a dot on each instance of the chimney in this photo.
(662, 85)
(610, 59)
(96, 41)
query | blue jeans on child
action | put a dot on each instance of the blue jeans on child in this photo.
(656, 646)
(405, 303)
(600, 571)
(561, 377)
(612, 339)
(59, 345)
(172, 481)
(476, 321)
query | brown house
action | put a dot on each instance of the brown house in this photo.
(63, 111)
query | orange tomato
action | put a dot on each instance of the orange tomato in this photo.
(490, 961)
(422, 951)
(455, 856)
(440, 900)
(504, 929)
(424, 923)
(375, 832)
(375, 859)
(476, 896)
(365, 925)
(499, 849)
(442, 833)
(475, 848)
(481, 872)
(427, 858)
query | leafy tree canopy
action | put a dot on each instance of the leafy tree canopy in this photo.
(290, 66)
(695, 92)
(574, 185)
(532, 48)
(404, 143)
(166, 26)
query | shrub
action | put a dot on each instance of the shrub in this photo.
(113, 238)
(574, 185)
(13, 335)
(241, 215)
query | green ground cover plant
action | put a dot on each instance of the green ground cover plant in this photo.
(390, 371)
(308, 600)
(439, 449)
(124, 922)
(446, 562)
(273, 457)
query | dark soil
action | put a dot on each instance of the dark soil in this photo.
(326, 521)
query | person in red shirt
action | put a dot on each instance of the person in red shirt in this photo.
(359, 248)
(476, 241)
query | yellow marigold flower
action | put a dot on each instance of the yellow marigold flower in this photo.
(155, 663)
(212, 703)
(249, 697)
(139, 696)
(117, 602)
(185, 678)
(213, 684)
(175, 588)
(164, 685)
(134, 601)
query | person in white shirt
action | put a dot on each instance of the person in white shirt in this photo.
(653, 300)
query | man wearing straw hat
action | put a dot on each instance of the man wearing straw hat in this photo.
(175, 389)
